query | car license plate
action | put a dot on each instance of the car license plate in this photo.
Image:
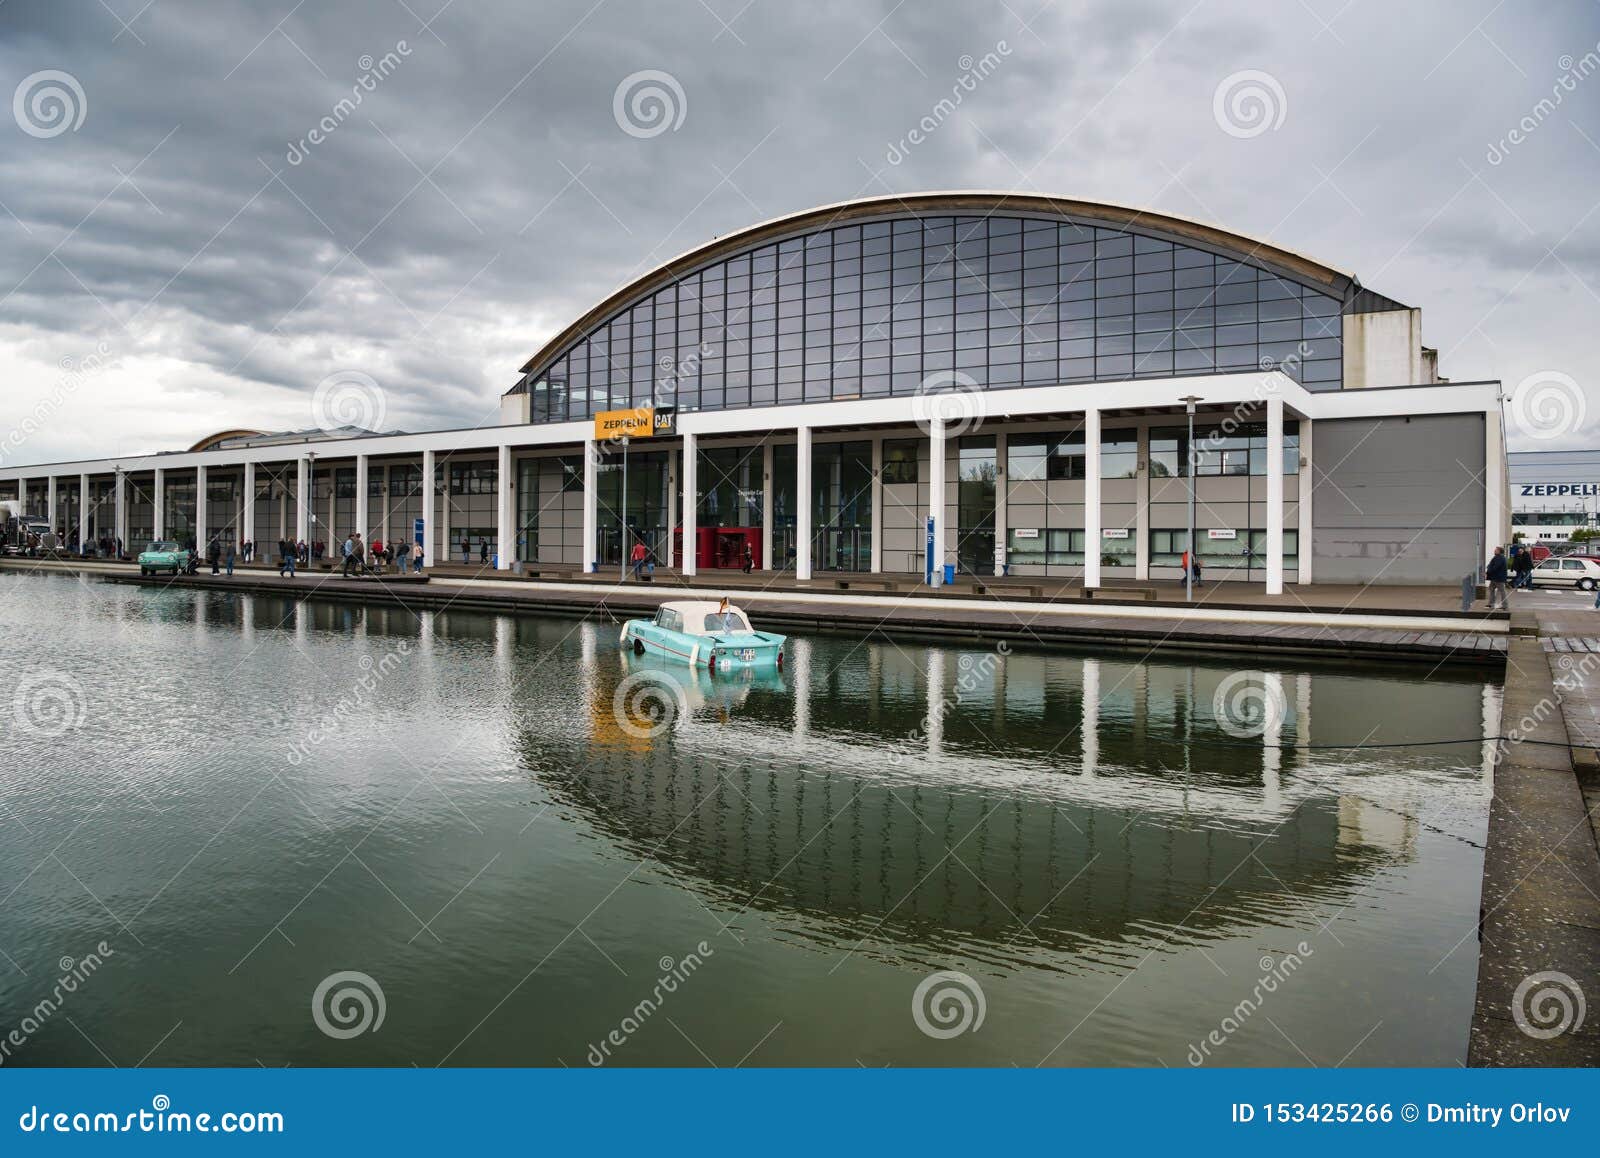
(747, 653)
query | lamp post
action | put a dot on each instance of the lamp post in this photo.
(622, 531)
(1188, 572)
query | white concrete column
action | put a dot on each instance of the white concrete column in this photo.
(200, 528)
(247, 517)
(429, 513)
(302, 498)
(505, 526)
(1275, 496)
(1303, 504)
(1141, 507)
(1002, 498)
(877, 504)
(83, 513)
(363, 504)
(447, 548)
(158, 508)
(1497, 530)
(936, 505)
(591, 500)
(767, 483)
(331, 533)
(674, 458)
(689, 477)
(121, 499)
(802, 504)
(385, 502)
(1092, 541)
(50, 502)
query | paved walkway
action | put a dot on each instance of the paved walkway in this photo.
(1540, 916)
(1372, 632)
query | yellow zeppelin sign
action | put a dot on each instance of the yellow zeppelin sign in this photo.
(639, 422)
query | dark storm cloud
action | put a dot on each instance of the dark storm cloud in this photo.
(481, 193)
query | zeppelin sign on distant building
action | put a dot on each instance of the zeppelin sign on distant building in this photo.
(1560, 490)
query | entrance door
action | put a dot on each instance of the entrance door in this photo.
(843, 549)
(975, 505)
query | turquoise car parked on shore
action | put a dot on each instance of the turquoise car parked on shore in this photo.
(163, 555)
(703, 633)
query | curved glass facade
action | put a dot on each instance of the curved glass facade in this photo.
(872, 309)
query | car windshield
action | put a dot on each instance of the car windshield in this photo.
(726, 621)
(163, 546)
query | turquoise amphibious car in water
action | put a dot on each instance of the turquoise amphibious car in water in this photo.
(702, 633)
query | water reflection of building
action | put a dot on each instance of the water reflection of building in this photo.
(1059, 800)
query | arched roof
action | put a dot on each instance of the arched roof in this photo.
(220, 436)
(1326, 278)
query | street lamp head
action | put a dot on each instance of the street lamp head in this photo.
(1189, 400)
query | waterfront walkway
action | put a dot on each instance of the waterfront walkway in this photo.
(1417, 624)
(1539, 924)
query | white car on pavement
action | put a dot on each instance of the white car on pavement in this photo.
(1570, 571)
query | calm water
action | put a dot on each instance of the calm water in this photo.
(255, 796)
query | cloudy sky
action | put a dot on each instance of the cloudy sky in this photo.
(179, 254)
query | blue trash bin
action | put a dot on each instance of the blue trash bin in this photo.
(949, 574)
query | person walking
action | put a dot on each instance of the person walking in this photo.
(214, 555)
(416, 558)
(1524, 569)
(637, 557)
(349, 551)
(749, 557)
(377, 556)
(1495, 573)
(483, 550)
(466, 550)
(401, 557)
(229, 554)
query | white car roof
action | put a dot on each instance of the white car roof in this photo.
(694, 612)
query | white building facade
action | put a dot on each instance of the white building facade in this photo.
(997, 384)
